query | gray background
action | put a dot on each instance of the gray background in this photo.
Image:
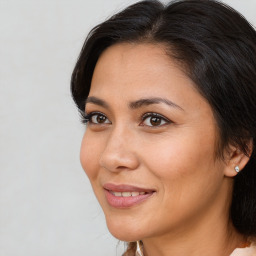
(46, 204)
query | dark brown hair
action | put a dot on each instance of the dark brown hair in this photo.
(217, 47)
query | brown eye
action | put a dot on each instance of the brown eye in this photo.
(154, 120)
(99, 119)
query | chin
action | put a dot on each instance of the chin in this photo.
(125, 230)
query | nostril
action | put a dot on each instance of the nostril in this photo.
(121, 167)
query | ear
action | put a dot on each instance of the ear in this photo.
(236, 158)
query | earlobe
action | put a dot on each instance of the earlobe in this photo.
(237, 160)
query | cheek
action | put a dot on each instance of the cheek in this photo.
(174, 156)
(188, 179)
(183, 151)
(184, 164)
(89, 154)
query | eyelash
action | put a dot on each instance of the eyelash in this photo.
(87, 118)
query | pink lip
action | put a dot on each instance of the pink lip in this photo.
(125, 202)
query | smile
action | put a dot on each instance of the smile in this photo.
(126, 196)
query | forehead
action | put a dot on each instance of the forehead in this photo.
(133, 61)
(133, 70)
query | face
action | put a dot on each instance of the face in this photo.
(149, 146)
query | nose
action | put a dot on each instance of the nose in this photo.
(120, 152)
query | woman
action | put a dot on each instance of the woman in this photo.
(168, 94)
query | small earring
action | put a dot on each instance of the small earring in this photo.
(237, 169)
(138, 249)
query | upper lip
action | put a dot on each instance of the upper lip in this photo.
(126, 188)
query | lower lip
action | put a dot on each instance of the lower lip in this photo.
(125, 202)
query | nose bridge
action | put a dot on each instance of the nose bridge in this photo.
(119, 152)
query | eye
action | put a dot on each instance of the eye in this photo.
(96, 118)
(154, 120)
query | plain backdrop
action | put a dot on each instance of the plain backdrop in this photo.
(47, 207)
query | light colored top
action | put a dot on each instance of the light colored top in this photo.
(248, 251)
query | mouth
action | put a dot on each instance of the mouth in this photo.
(126, 196)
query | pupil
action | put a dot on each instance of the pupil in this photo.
(155, 121)
(101, 119)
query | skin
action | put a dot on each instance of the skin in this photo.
(175, 156)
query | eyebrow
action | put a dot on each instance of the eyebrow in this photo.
(135, 104)
(149, 101)
(96, 101)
